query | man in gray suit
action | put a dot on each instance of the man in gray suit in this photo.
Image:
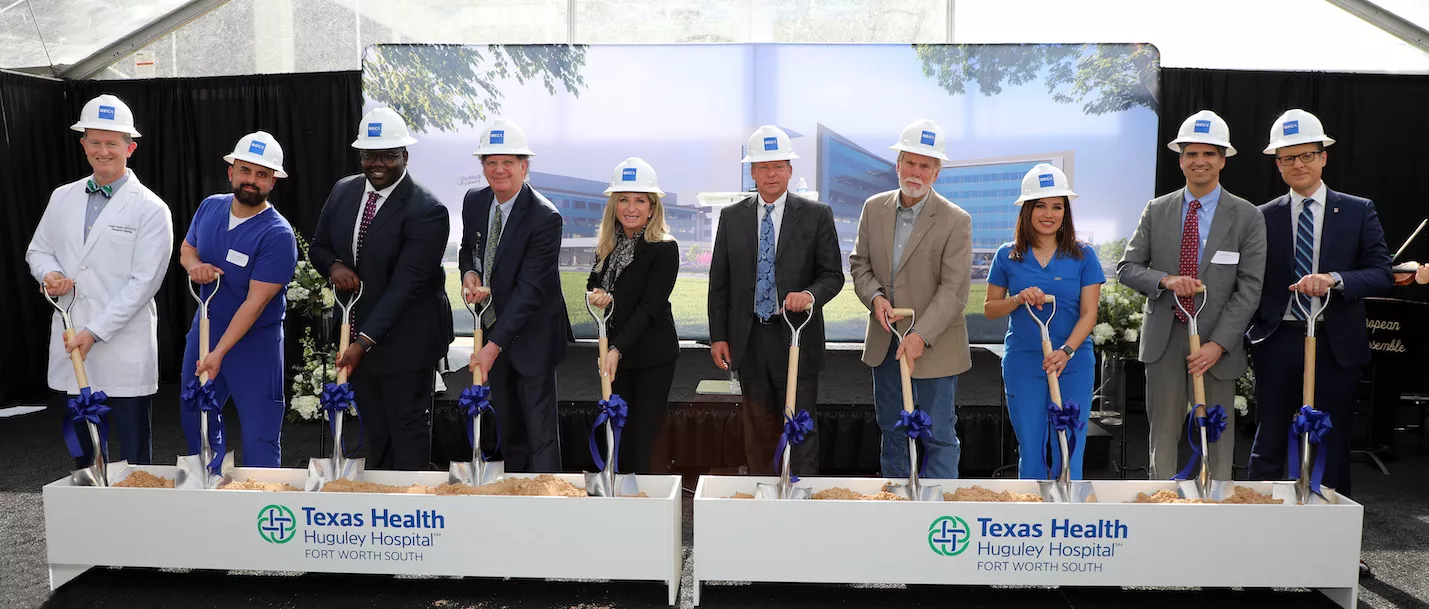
(774, 252)
(1198, 235)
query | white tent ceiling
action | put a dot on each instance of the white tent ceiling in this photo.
(98, 38)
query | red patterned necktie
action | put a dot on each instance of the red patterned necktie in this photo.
(1190, 246)
(368, 211)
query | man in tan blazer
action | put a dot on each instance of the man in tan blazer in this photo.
(914, 250)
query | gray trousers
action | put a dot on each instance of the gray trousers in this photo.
(1168, 392)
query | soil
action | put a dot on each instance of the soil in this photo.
(978, 493)
(544, 485)
(350, 486)
(741, 496)
(1243, 496)
(143, 479)
(840, 493)
(254, 485)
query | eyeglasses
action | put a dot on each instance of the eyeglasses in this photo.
(385, 156)
(1305, 157)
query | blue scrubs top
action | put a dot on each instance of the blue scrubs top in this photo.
(1064, 278)
(262, 248)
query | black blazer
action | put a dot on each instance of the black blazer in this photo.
(642, 326)
(808, 258)
(1351, 244)
(531, 324)
(404, 305)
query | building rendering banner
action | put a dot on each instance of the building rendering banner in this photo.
(688, 110)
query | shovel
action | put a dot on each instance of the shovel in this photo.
(1309, 426)
(87, 407)
(337, 399)
(796, 425)
(916, 422)
(1066, 419)
(1209, 423)
(607, 482)
(476, 401)
(198, 471)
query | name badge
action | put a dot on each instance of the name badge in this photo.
(237, 258)
(1224, 257)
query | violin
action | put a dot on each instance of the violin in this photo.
(1406, 273)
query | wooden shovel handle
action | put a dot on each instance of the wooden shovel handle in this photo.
(1053, 386)
(344, 339)
(78, 361)
(202, 347)
(478, 378)
(901, 312)
(1309, 387)
(605, 389)
(1198, 382)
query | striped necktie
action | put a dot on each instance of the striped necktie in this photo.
(1304, 251)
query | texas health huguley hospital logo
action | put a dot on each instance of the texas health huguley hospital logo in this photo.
(949, 536)
(276, 524)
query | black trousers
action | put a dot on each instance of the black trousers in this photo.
(1279, 369)
(526, 408)
(397, 413)
(129, 423)
(646, 392)
(763, 375)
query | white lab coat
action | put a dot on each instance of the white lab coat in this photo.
(116, 272)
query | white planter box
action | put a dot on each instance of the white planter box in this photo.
(971, 543)
(482, 536)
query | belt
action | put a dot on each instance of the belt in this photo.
(775, 319)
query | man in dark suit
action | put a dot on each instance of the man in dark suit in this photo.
(511, 243)
(774, 252)
(384, 231)
(1320, 244)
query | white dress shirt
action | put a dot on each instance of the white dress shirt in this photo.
(382, 196)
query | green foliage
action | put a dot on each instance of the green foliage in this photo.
(1110, 252)
(1103, 78)
(439, 86)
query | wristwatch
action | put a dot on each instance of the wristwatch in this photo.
(1068, 350)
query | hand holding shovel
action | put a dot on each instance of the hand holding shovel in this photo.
(797, 425)
(607, 482)
(336, 400)
(87, 408)
(475, 401)
(1066, 419)
(916, 422)
(1209, 423)
(204, 470)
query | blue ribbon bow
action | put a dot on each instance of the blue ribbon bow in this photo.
(1067, 418)
(87, 407)
(203, 399)
(338, 398)
(1215, 424)
(474, 401)
(916, 424)
(1317, 424)
(796, 430)
(614, 410)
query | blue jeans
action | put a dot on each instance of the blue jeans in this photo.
(942, 450)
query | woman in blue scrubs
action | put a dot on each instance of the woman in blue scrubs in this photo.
(1045, 258)
(241, 237)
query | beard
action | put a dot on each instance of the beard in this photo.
(251, 198)
(912, 192)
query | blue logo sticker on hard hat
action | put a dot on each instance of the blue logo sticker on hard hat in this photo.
(374, 129)
(1045, 180)
(1202, 127)
(771, 143)
(1291, 127)
(498, 136)
(106, 112)
(627, 174)
(257, 147)
(928, 138)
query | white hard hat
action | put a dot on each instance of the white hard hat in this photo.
(1044, 181)
(1204, 127)
(259, 148)
(106, 113)
(1296, 127)
(503, 136)
(923, 137)
(634, 175)
(382, 129)
(769, 143)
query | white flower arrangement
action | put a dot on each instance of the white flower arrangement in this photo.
(1101, 333)
(1129, 334)
(308, 293)
(1119, 319)
(315, 370)
(1242, 406)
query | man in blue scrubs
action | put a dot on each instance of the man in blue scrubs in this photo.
(241, 236)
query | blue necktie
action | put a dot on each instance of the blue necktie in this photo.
(1304, 252)
(764, 297)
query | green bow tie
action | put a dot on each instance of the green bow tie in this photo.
(106, 190)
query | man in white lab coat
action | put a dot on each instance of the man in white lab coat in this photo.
(106, 241)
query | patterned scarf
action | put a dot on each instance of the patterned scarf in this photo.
(619, 258)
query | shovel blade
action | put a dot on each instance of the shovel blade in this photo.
(916, 493)
(323, 471)
(1305, 497)
(1216, 490)
(193, 472)
(1071, 491)
(772, 491)
(602, 484)
(476, 473)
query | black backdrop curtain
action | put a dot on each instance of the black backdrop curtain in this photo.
(188, 125)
